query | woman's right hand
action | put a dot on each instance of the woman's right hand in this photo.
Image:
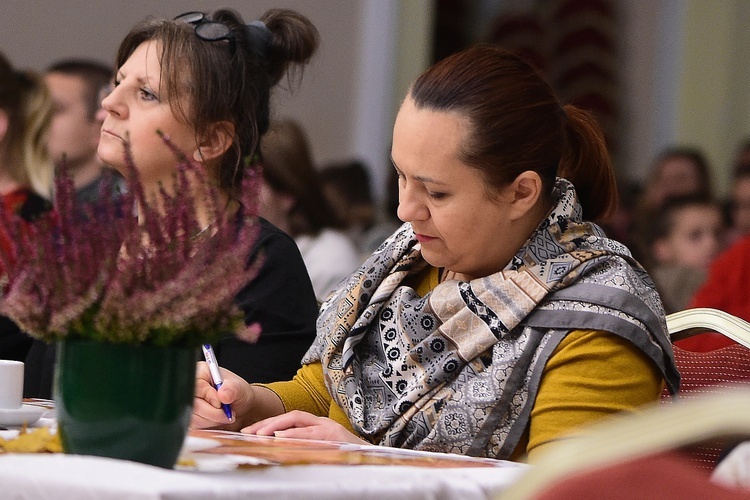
(207, 410)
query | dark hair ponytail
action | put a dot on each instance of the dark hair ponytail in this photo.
(586, 163)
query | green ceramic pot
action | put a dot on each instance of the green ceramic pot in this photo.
(121, 401)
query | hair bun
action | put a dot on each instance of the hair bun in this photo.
(260, 37)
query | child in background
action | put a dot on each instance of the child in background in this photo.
(686, 238)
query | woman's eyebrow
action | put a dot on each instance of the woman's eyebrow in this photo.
(146, 81)
(419, 178)
(422, 178)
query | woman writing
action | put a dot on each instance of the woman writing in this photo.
(496, 319)
(204, 80)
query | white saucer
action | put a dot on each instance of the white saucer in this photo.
(25, 414)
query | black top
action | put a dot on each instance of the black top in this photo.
(280, 298)
(14, 344)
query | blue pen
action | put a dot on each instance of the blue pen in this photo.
(213, 367)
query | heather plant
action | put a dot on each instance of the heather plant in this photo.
(134, 271)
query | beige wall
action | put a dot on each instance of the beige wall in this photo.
(713, 109)
(687, 80)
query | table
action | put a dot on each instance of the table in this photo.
(402, 474)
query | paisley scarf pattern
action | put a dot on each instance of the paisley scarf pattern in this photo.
(457, 370)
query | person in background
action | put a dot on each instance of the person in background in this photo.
(26, 172)
(725, 288)
(292, 198)
(348, 190)
(687, 236)
(77, 86)
(726, 283)
(210, 95)
(677, 171)
(497, 319)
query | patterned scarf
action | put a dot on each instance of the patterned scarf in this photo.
(457, 370)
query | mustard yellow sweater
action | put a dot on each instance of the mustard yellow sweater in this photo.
(591, 374)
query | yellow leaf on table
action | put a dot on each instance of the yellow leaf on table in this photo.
(39, 440)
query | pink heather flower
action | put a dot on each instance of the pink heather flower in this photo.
(250, 333)
(158, 278)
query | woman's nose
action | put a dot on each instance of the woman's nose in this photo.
(111, 103)
(410, 208)
(101, 112)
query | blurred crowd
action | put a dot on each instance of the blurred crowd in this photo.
(674, 222)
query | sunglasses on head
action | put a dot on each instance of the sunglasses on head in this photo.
(209, 31)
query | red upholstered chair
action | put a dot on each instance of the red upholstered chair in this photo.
(679, 440)
(689, 322)
(712, 372)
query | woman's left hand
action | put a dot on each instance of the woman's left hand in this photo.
(303, 425)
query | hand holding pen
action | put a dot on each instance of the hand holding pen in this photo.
(213, 368)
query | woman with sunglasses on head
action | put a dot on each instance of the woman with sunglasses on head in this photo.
(204, 80)
(497, 319)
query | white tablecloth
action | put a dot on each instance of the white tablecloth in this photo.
(80, 477)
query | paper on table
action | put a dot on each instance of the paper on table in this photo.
(285, 451)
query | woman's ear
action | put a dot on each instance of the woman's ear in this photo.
(525, 191)
(215, 141)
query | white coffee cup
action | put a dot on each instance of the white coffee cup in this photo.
(11, 384)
